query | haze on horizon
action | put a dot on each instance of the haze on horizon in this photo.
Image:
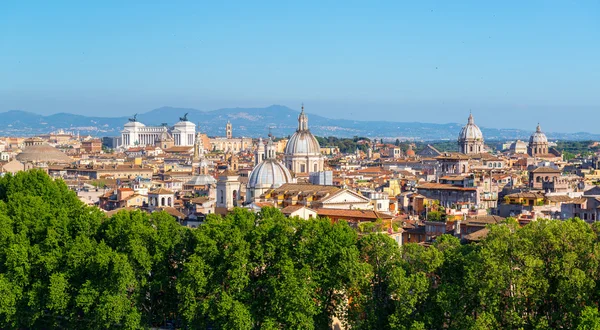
(512, 63)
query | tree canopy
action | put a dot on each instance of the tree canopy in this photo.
(67, 265)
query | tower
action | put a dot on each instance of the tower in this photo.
(228, 188)
(259, 154)
(198, 147)
(271, 150)
(228, 130)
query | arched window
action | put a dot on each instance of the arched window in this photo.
(170, 202)
(162, 201)
(315, 166)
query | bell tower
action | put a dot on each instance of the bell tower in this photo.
(228, 130)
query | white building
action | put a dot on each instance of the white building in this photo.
(135, 133)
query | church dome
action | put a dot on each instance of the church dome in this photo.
(303, 142)
(269, 173)
(538, 136)
(470, 132)
(43, 153)
(201, 180)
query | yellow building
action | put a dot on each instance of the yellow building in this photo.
(394, 188)
(526, 198)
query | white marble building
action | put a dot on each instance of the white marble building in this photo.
(135, 133)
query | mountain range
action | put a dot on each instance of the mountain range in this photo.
(254, 122)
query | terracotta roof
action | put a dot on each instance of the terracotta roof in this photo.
(179, 149)
(545, 169)
(199, 200)
(444, 186)
(478, 235)
(172, 211)
(559, 199)
(483, 220)
(263, 204)
(526, 195)
(161, 191)
(304, 187)
(452, 156)
(361, 214)
(293, 208)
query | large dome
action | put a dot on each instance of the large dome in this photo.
(470, 132)
(303, 143)
(269, 173)
(538, 136)
(43, 153)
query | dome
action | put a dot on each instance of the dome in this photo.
(302, 142)
(518, 144)
(43, 153)
(470, 132)
(269, 173)
(538, 136)
(201, 180)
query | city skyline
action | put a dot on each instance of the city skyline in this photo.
(512, 64)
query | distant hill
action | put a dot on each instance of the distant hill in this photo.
(255, 122)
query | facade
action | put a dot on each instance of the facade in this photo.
(470, 139)
(302, 152)
(135, 133)
(228, 192)
(161, 197)
(543, 175)
(92, 146)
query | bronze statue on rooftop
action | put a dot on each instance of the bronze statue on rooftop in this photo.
(184, 118)
(134, 119)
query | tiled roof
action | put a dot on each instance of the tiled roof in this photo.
(301, 187)
(362, 214)
(545, 169)
(292, 208)
(478, 235)
(172, 211)
(483, 219)
(161, 191)
(443, 186)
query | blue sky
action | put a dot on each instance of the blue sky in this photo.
(513, 63)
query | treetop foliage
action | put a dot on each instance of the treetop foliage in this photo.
(63, 264)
